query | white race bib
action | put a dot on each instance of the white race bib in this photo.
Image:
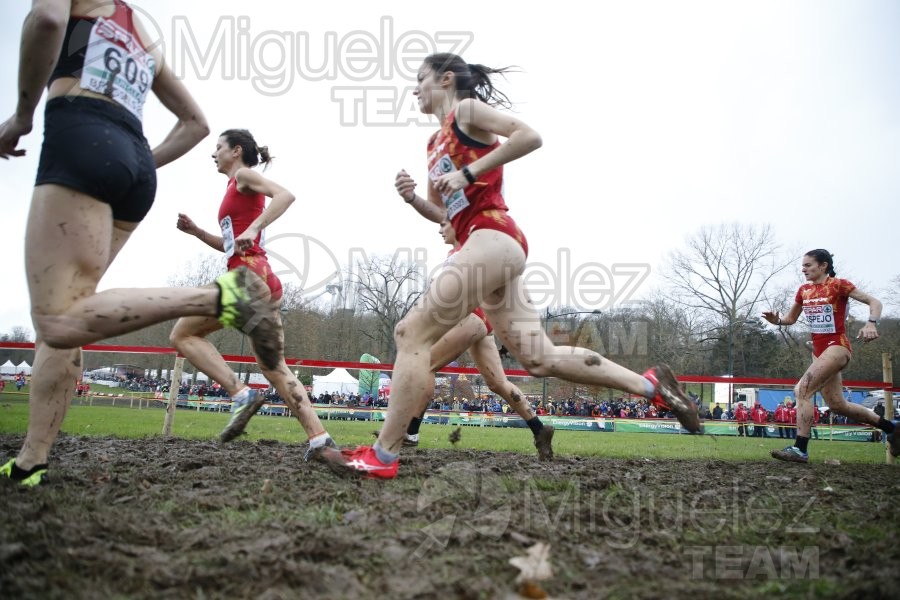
(820, 318)
(117, 66)
(456, 201)
(227, 237)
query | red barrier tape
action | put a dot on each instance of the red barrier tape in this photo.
(331, 364)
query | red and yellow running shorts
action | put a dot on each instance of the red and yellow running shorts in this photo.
(260, 266)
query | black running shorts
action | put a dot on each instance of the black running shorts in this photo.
(98, 148)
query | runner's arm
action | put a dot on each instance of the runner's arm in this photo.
(187, 225)
(520, 138)
(42, 36)
(869, 331)
(191, 127)
(249, 181)
(789, 319)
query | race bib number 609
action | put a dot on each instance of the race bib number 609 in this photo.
(117, 66)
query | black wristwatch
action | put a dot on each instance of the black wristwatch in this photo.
(875, 321)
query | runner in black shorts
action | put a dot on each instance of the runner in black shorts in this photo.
(95, 183)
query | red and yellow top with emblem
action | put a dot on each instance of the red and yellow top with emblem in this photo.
(236, 213)
(825, 307)
(476, 206)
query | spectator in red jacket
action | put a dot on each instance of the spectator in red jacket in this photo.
(759, 415)
(792, 420)
(781, 417)
(741, 415)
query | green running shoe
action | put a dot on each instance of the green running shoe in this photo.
(241, 308)
(234, 299)
(37, 476)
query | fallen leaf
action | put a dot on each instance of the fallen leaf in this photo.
(266, 487)
(535, 566)
(530, 589)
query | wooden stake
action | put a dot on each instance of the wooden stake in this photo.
(888, 379)
(173, 397)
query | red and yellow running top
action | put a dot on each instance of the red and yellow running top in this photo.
(825, 308)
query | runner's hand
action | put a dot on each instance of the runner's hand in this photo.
(771, 316)
(448, 183)
(10, 132)
(186, 224)
(405, 185)
(868, 333)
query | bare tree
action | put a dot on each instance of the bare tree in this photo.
(385, 287)
(723, 274)
(673, 334)
(892, 293)
(18, 334)
(201, 270)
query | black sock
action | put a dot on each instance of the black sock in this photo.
(535, 425)
(801, 443)
(885, 425)
(413, 428)
(19, 474)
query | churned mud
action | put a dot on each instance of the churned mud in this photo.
(180, 518)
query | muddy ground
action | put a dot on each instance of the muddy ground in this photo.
(193, 519)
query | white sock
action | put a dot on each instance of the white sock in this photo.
(383, 455)
(649, 389)
(413, 438)
(317, 441)
(242, 395)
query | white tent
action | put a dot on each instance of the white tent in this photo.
(338, 381)
(7, 368)
(24, 366)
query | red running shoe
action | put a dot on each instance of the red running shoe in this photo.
(670, 397)
(361, 461)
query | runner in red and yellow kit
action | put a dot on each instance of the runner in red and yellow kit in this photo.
(465, 185)
(823, 301)
(243, 216)
(475, 334)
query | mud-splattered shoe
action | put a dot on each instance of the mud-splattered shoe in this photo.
(670, 397)
(31, 478)
(315, 453)
(410, 441)
(244, 304)
(361, 461)
(543, 441)
(893, 440)
(791, 454)
(241, 413)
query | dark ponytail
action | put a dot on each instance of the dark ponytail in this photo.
(472, 81)
(252, 154)
(823, 256)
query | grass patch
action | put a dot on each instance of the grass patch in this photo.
(125, 422)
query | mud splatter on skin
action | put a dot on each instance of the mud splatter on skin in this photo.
(62, 228)
(592, 360)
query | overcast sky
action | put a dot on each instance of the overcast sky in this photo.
(657, 118)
